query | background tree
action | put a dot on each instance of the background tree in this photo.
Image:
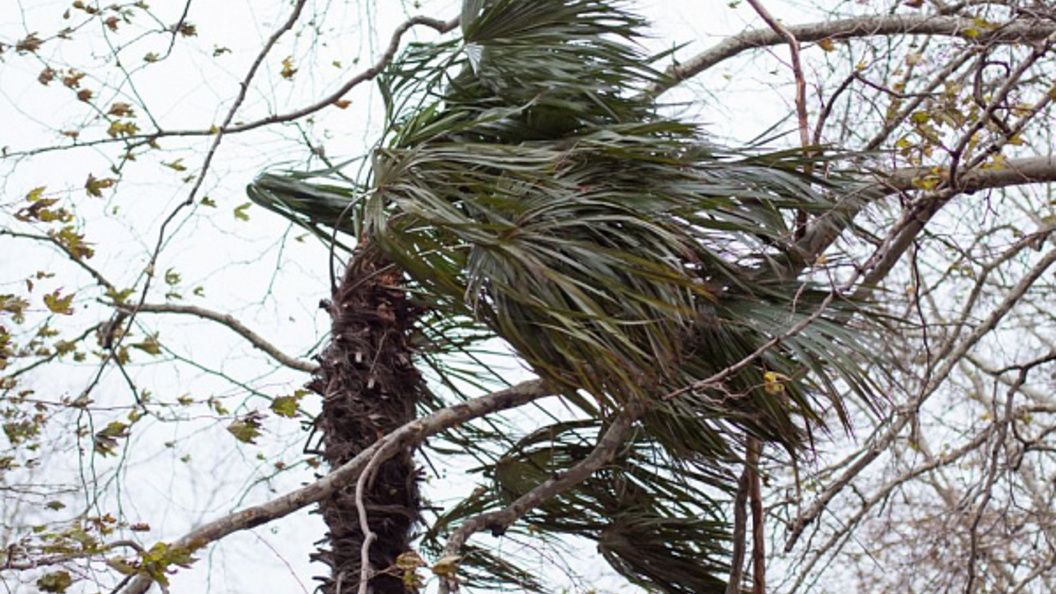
(111, 391)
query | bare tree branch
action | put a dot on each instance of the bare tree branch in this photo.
(946, 459)
(801, 98)
(227, 128)
(230, 322)
(210, 154)
(410, 435)
(499, 521)
(367, 75)
(755, 498)
(76, 259)
(740, 532)
(12, 564)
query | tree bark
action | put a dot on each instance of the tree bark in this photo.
(370, 388)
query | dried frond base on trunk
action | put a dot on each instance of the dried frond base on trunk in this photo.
(369, 387)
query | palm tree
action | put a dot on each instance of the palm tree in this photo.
(528, 189)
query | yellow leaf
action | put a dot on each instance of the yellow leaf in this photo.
(827, 44)
(58, 304)
(926, 182)
(120, 109)
(288, 70)
(95, 187)
(447, 567)
(150, 345)
(240, 211)
(73, 242)
(176, 165)
(246, 429)
(118, 128)
(409, 561)
(773, 382)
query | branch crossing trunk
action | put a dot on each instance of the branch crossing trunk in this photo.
(369, 387)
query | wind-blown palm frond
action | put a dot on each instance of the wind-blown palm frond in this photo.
(317, 207)
(653, 518)
(526, 186)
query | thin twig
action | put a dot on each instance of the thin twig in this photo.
(1002, 423)
(209, 156)
(848, 526)
(226, 129)
(366, 572)
(78, 260)
(66, 557)
(881, 443)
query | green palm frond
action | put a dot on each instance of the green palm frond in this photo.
(595, 261)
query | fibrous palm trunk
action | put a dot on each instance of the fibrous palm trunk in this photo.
(369, 387)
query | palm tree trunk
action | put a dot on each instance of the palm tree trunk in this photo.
(369, 387)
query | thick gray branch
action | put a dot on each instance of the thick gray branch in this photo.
(1014, 172)
(499, 521)
(408, 436)
(872, 26)
(232, 323)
